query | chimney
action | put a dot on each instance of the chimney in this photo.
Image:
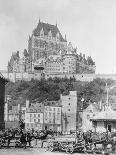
(100, 105)
(19, 107)
(27, 104)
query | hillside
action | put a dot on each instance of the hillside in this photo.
(52, 88)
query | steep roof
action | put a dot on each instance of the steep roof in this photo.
(106, 115)
(36, 108)
(52, 103)
(2, 77)
(47, 28)
(94, 107)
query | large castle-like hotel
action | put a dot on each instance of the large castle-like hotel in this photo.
(49, 53)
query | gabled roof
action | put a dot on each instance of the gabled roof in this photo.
(36, 108)
(94, 107)
(2, 77)
(47, 28)
(106, 115)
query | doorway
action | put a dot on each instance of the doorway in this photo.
(109, 127)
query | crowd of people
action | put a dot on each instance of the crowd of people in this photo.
(22, 138)
(18, 136)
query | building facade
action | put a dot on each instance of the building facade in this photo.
(88, 113)
(105, 121)
(34, 117)
(69, 111)
(52, 115)
(47, 42)
(3, 81)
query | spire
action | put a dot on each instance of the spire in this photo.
(39, 19)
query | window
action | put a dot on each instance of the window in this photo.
(50, 109)
(34, 115)
(34, 120)
(90, 111)
(38, 115)
(69, 104)
(38, 120)
(58, 110)
(50, 121)
(88, 116)
(68, 109)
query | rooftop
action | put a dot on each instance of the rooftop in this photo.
(36, 108)
(52, 103)
(2, 77)
(47, 28)
(106, 115)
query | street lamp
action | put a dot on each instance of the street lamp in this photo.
(82, 100)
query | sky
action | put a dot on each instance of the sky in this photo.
(90, 25)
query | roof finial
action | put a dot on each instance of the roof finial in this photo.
(56, 23)
(39, 19)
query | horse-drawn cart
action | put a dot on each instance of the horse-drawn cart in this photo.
(68, 143)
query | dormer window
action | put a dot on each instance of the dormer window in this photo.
(42, 33)
(50, 35)
(57, 36)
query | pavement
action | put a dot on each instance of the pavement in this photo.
(32, 151)
(35, 150)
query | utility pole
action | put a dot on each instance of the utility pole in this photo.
(107, 98)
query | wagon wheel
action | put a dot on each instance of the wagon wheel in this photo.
(60, 147)
(85, 150)
(71, 150)
(51, 148)
(67, 150)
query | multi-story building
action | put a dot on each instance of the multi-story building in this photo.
(3, 81)
(13, 114)
(69, 60)
(48, 53)
(54, 65)
(45, 40)
(52, 115)
(34, 117)
(69, 111)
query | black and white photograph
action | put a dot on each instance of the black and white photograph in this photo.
(57, 77)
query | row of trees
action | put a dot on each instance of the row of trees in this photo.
(52, 88)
